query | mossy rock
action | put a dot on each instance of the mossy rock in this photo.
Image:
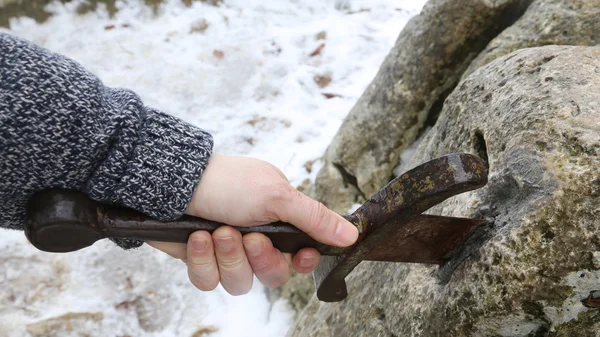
(422, 68)
(36, 9)
(533, 115)
(297, 292)
(546, 22)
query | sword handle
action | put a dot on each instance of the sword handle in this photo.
(60, 220)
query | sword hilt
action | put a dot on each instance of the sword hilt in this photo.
(391, 225)
(61, 220)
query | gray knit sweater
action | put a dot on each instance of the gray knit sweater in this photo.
(61, 127)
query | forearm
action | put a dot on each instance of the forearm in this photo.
(61, 127)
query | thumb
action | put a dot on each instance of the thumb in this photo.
(316, 220)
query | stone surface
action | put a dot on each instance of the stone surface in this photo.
(429, 57)
(298, 291)
(534, 115)
(71, 324)
(546, 22)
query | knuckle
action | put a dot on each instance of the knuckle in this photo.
(262, 265)
(318, 218)
(203, 281)
(201, 263)
(233, 262)
(261, 255)
(204, 260)
(275, 197)
(278, 193)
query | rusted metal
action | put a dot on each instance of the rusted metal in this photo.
(390, 223)
(423, 239)
(403, 199)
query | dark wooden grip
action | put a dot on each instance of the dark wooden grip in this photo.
(124, 223)
(61, 220)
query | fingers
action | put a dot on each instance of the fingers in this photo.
(219, 258)
(270, 266)
(268, 263)
(228, 258)
(203, 271)
(234, 268)
(306, 260)
(316, 220)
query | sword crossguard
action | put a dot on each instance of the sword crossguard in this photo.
(396, 206)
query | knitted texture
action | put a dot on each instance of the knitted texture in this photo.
(61, 127)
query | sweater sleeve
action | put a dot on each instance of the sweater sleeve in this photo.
(61, 127)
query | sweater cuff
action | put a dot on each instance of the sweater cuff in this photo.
(163, 169)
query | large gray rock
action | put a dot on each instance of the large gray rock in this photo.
(297, 291)
(426, 62)
(535, 117)
(546, 22)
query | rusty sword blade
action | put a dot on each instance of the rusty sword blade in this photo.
(424, 239)
(391, 224)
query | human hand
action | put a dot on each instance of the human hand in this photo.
(242, 191)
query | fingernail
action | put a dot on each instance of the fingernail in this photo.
(346, 233)
(200, 244)
(306, 261)
(225, 244)
(253, 247)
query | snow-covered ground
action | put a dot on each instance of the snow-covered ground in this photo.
(244, 72)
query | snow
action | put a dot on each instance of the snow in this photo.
(259, 99)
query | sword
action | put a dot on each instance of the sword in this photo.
(391, 226)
